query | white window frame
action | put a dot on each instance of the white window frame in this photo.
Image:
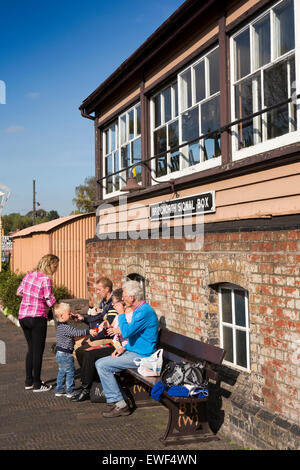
(292, 136)
(202, 165)
(119, 145)
(234, 327)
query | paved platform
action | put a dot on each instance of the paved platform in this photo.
(41, 421)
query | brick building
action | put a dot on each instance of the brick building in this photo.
(204, 120)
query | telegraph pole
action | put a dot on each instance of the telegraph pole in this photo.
(33, 206)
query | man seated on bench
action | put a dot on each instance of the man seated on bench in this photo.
(142, 335)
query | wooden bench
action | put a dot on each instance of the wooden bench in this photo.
(188, 417)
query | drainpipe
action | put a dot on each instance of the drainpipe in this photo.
(83, 114)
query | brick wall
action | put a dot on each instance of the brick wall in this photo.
(260, 409)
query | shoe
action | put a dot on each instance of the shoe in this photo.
(43, 388)
(83, 395)
(70, 395)
(115, 412)
(60, 394)
(28, 387)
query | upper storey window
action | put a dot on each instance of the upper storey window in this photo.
(122, 148)
(263, 75)
(183, 111)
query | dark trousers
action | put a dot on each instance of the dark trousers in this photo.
(35, 331)
(87, 359)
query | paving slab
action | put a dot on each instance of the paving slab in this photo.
(41, 421)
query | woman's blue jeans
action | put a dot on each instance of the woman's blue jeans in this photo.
(66, 372)
(106, 368)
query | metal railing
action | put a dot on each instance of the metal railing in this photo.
(215, 132)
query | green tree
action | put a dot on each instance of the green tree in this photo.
(85, 195)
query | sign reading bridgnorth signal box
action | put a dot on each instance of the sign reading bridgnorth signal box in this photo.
(188, 206)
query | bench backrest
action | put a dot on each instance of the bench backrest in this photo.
(179, 347)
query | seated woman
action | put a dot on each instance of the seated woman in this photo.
(87, 354)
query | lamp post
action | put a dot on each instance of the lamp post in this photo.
(4, 195)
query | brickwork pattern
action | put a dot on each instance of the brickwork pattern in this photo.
(180, 285)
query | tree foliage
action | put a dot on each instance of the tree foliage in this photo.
(15, 221)
(85, 195)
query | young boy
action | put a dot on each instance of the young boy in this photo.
(65, 335)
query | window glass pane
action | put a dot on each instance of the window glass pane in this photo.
(107, 142)
(262, 42)
(125, 157)
(160, 145)
(174, 162)
(228, 343)
(173, 134)
(138, 120)
(200, 81)
(167, 104)
(161, 166)
(113, 137)
(157, 110)
(194, 154)
(131, 124)
(175, 88)
(213, 61)
(116, 168)
(123, 129)
(136, 157)
(293, 105)
(108, 171)
(276, 90)
(186, 89)
(247, 101)
(210, 120)
(284, 27)
(241, 348)
(242, 54)
(190, 125)
(240, 312)
(226, 306)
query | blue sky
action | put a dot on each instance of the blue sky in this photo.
(52, 56)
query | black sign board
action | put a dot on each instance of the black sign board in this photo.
(188, 206)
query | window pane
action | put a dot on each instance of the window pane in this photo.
(157, 110)
(247, 101)
(194, 154)
(276, 90)
(242, 54)
(108, 171)
(240, 312)
(175, 88)
(210, 120)
(200, 81)
(107, 141)
(226, 306)
(214, 83)
(167, 104)
(138, 120)
(113, 138)
(161, 166)
(174, 162)
(160, 145)
(228, 343)
(116, 168)
(186, 89)
(173, 134)
(125, 157)
(123, 129)
(131, 124)
(262, 42)
(241, 348)
(284, 27)
(136, 157)
(293, 105)
(190, 125)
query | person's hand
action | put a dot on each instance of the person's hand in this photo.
(80, 317)
(93, 333)
(113, 331)
(118, 352)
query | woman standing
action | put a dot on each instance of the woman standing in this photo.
(37, 295)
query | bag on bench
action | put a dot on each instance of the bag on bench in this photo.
(150, 366)
(183, 373)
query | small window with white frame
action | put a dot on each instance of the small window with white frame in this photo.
(180, 113)
(263, 74)
(234, 325)
(121, 149)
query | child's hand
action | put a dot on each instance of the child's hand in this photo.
(93, 333)
(80, 317)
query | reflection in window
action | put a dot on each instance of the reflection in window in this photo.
(234, 325)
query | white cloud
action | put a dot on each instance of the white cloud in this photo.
(13, 129)
(33, 95)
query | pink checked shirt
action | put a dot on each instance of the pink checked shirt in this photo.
(36, 289)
